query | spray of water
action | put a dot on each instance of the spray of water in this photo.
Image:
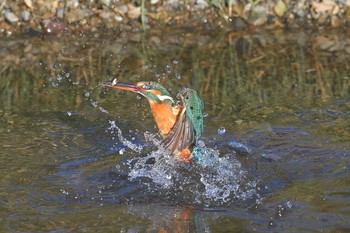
(122, 139)
(215, 179)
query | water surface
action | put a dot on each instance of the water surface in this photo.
(75, 157)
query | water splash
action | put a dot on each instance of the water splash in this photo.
(213, 179)
(122, 139)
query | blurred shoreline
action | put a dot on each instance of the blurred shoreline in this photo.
(58, 16)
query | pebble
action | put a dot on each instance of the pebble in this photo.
(118, 18)
(123, 9)
(347, 50)
(335, 21)
(25, 15)
(201, 4)
(11, 17)
(105, 2)
(105, 15)
(60, 13)
(280, 8)
(133, 12)
(75, 15)
(72, 4)
(28, 3)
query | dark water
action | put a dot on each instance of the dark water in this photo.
(74, 155)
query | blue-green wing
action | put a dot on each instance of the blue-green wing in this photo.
(189, 124)
(181, 136)
(194, 111)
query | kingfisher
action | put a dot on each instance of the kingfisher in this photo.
(180, 123)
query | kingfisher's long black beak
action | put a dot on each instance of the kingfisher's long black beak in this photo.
(123, 86)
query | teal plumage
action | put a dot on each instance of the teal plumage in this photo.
(194, 108)
(189, 125)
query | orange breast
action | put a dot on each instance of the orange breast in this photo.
(165, 116)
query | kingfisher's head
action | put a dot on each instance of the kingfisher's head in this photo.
(154, 92)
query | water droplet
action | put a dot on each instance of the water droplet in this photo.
(94, 104)
(289, 205)
(69, 113)
(177, 76)
(221, 130)
(200, 143)
(121, 151)
(205, 114)
(168, 177)
(59, 77)
(96, 35)
(103, 110)
(67, 75)
(168, 68)
(87, 94)
(175, 61)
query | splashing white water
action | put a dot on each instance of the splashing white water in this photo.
(122, 139)
(218, 179)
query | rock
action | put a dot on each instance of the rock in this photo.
(133, 12)
(239, 23)
(347, 50)
(11, 17)
(105, 15)
(280, 8)
(60, 13)
(75, 15)
(201, 4)
(105, 2)
(28, 48)
(335, 10)
(335, 21)
(52, 27)
(322, 19)
(123, 9)
(301, 13)
(118, 18)
(325, 6)
(72, 4)
(25, 15)
(328, 45)
(28, 3)
(153, 2)
(260, 15)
